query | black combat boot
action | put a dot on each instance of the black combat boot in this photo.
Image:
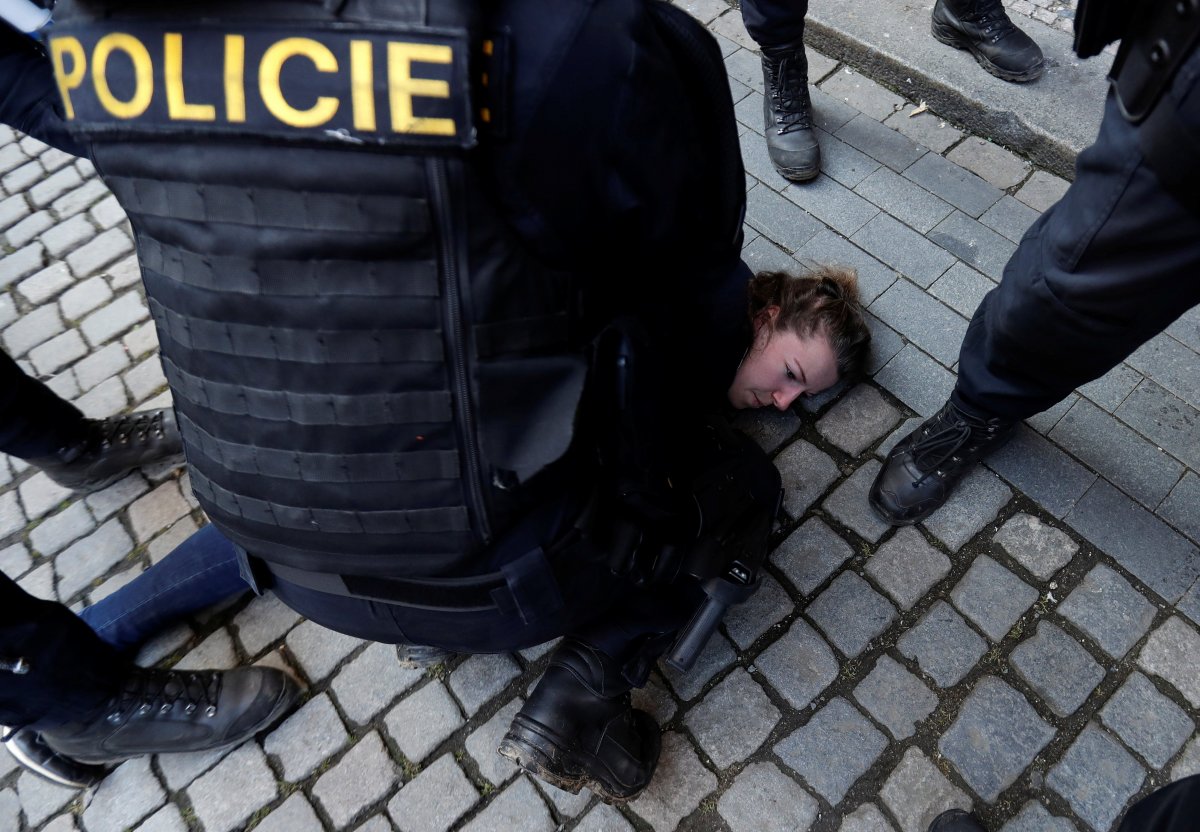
(170, 711)
(31, 752)
(982, 28)
(578, 728)
(956, 820)
(921, 471)
(787, 114)
(113, 447)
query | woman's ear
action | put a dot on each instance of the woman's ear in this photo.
(767, 318)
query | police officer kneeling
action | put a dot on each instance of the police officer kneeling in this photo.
(403, 259)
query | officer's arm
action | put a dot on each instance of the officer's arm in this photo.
(29, 99)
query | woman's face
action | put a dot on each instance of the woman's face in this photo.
(780, 366)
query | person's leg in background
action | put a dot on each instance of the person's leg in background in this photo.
(777, 26)
(983, 28)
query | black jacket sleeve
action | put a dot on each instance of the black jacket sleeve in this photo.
(29, 99)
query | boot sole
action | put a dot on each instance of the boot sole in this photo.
(31, 766)
(952, 37)
(538, 752)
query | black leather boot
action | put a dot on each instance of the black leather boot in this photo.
(170, 711)
(113, 447)
(578, 729)
(956, 820)
(787, 114)
(921, 471)
(983, 28)
(31, 752)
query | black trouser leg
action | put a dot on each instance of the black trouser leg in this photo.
(33, 420)
(1173, 808)
(71, 673)
(775, 22)
(1105, 269)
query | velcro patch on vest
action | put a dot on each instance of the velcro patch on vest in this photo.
(346, 85)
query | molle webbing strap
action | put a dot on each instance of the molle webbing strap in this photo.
(299, 345)
(308, 408)
(280, 277)
(336, 521)
(263, 207)
(397, 466)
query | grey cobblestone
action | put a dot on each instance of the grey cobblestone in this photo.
(54, 186)
(434, 799)
(832, 249)
(517, 807)
(851, 613)
(79, 199)
(881, 143)
(1164, 419)
(40, 582)
(100, 252)
(916, 315)
(1042, 471)
(895, 697)
(1188, 762)
(480, 678)
(108, 501)
(917, 380)
(12, 517)
(848, 503)
(1113, 388)
(768, 427)
(1109, 610)
(108, 213)
(904, 249)
(58, 352)
(126, 796)
(84, 298)
(422, 720)
(832, 203)
(808, 473)
(765, 608)
(1033, 817)
(114, 318)
(14, 562)
(1042, 190)
(21, 263)
(216, 651)
(158, 509)
(263, 622)
(716, 656)
(371, 681)
(484, 740)
(296, 814)
(604, 818)
(307, 738)
(679, 785)
(1040, 548)
(40, 799)
(763, 799)
(145, 379)
(1057, 668)
(998, 166)
(733, 720)
(997, 734)
(916, 792)
(107, 398)
(992, 597)
(8, 311)
(101, 365)
(858, 420)
(31, 329)
(811, 554)
(1172, 653)
(22, 178)
(926, 128)
(363, 776)
(28, 229)
(961, 188)
(67, 235)
(1009, 217)
(228, 795)
(1148, 722)
(91, 557)
(656, 700)
(319, 650)
(124, 273)
(784, 221)
(141, 340)
(943, 645)
(974, 243)
(1097, 777)
(833, 749)
(842, 162)
(976, 501)
(904, 200)
(799, 665)
(862, 93)
(55, 533)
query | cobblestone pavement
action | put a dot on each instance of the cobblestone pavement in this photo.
(1030, 650)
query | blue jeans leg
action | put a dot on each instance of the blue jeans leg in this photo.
(200, 572)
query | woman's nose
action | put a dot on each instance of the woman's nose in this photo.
(784, 398)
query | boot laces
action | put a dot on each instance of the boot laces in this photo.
(943, 438)
(789, 89)
(992, 21)
(162, 690)
(136, 427)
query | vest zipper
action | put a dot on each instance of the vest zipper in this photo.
(18, 667)
(458, 347)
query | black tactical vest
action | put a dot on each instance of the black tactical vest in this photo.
(371, 376)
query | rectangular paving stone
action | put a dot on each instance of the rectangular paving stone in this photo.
(1164, 419)
(916, 792)
(717, 655)
(975, 503)
(906, 567)
(961, 188)
(1033, 817)
(851, 613)
(862, 93)
(833, 749)
(58, 352)
(371, 681)
(866, 818)
(296, 814)
(363, 776)
(1188, 762)
(842, 162)
(46, 283)
(761, 255)
(1109, 610)
(764, 609)
(1189, 604)
(1045, 421)
(1155, 553)
(434, 799)
(848, 503)
(680, 783)
(319, 650)
(974, 243)
(832, 203)
(91, 557)
(904, 249)
(88, 295)
(114, 318)
(829, 248)
(32, 328)
(768, 427)
(858, 420)
(995, 737)
(732, 720)
(480, 678)
(1040, 548)
(21, 263)
(810, 554)
(780, 219)
(226, 797)
(806, 473)
(1185, 328)
(1061, 672)
(1173, 653)
(484, 740)
(943, 645)
(126, 796)
(764, 799)
(1171, 365)
(917, 380)
(757, 162)
(931, 325)
(829, 113)
(422, 720)
(799, 665)
(1041, 471)
(1127, 460)
(1096, 777)
(885, 344)
(64, 528)
(926, 128)
(904, 200)
(1009, 217)
(1000, 167)
(895, 697)
(110, 246)
(28, 229)
(1148, 722)
(1112, 388)
(992, 597)
(882, 143)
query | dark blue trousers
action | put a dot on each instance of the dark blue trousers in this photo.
(1111, 264)
(775, 22)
